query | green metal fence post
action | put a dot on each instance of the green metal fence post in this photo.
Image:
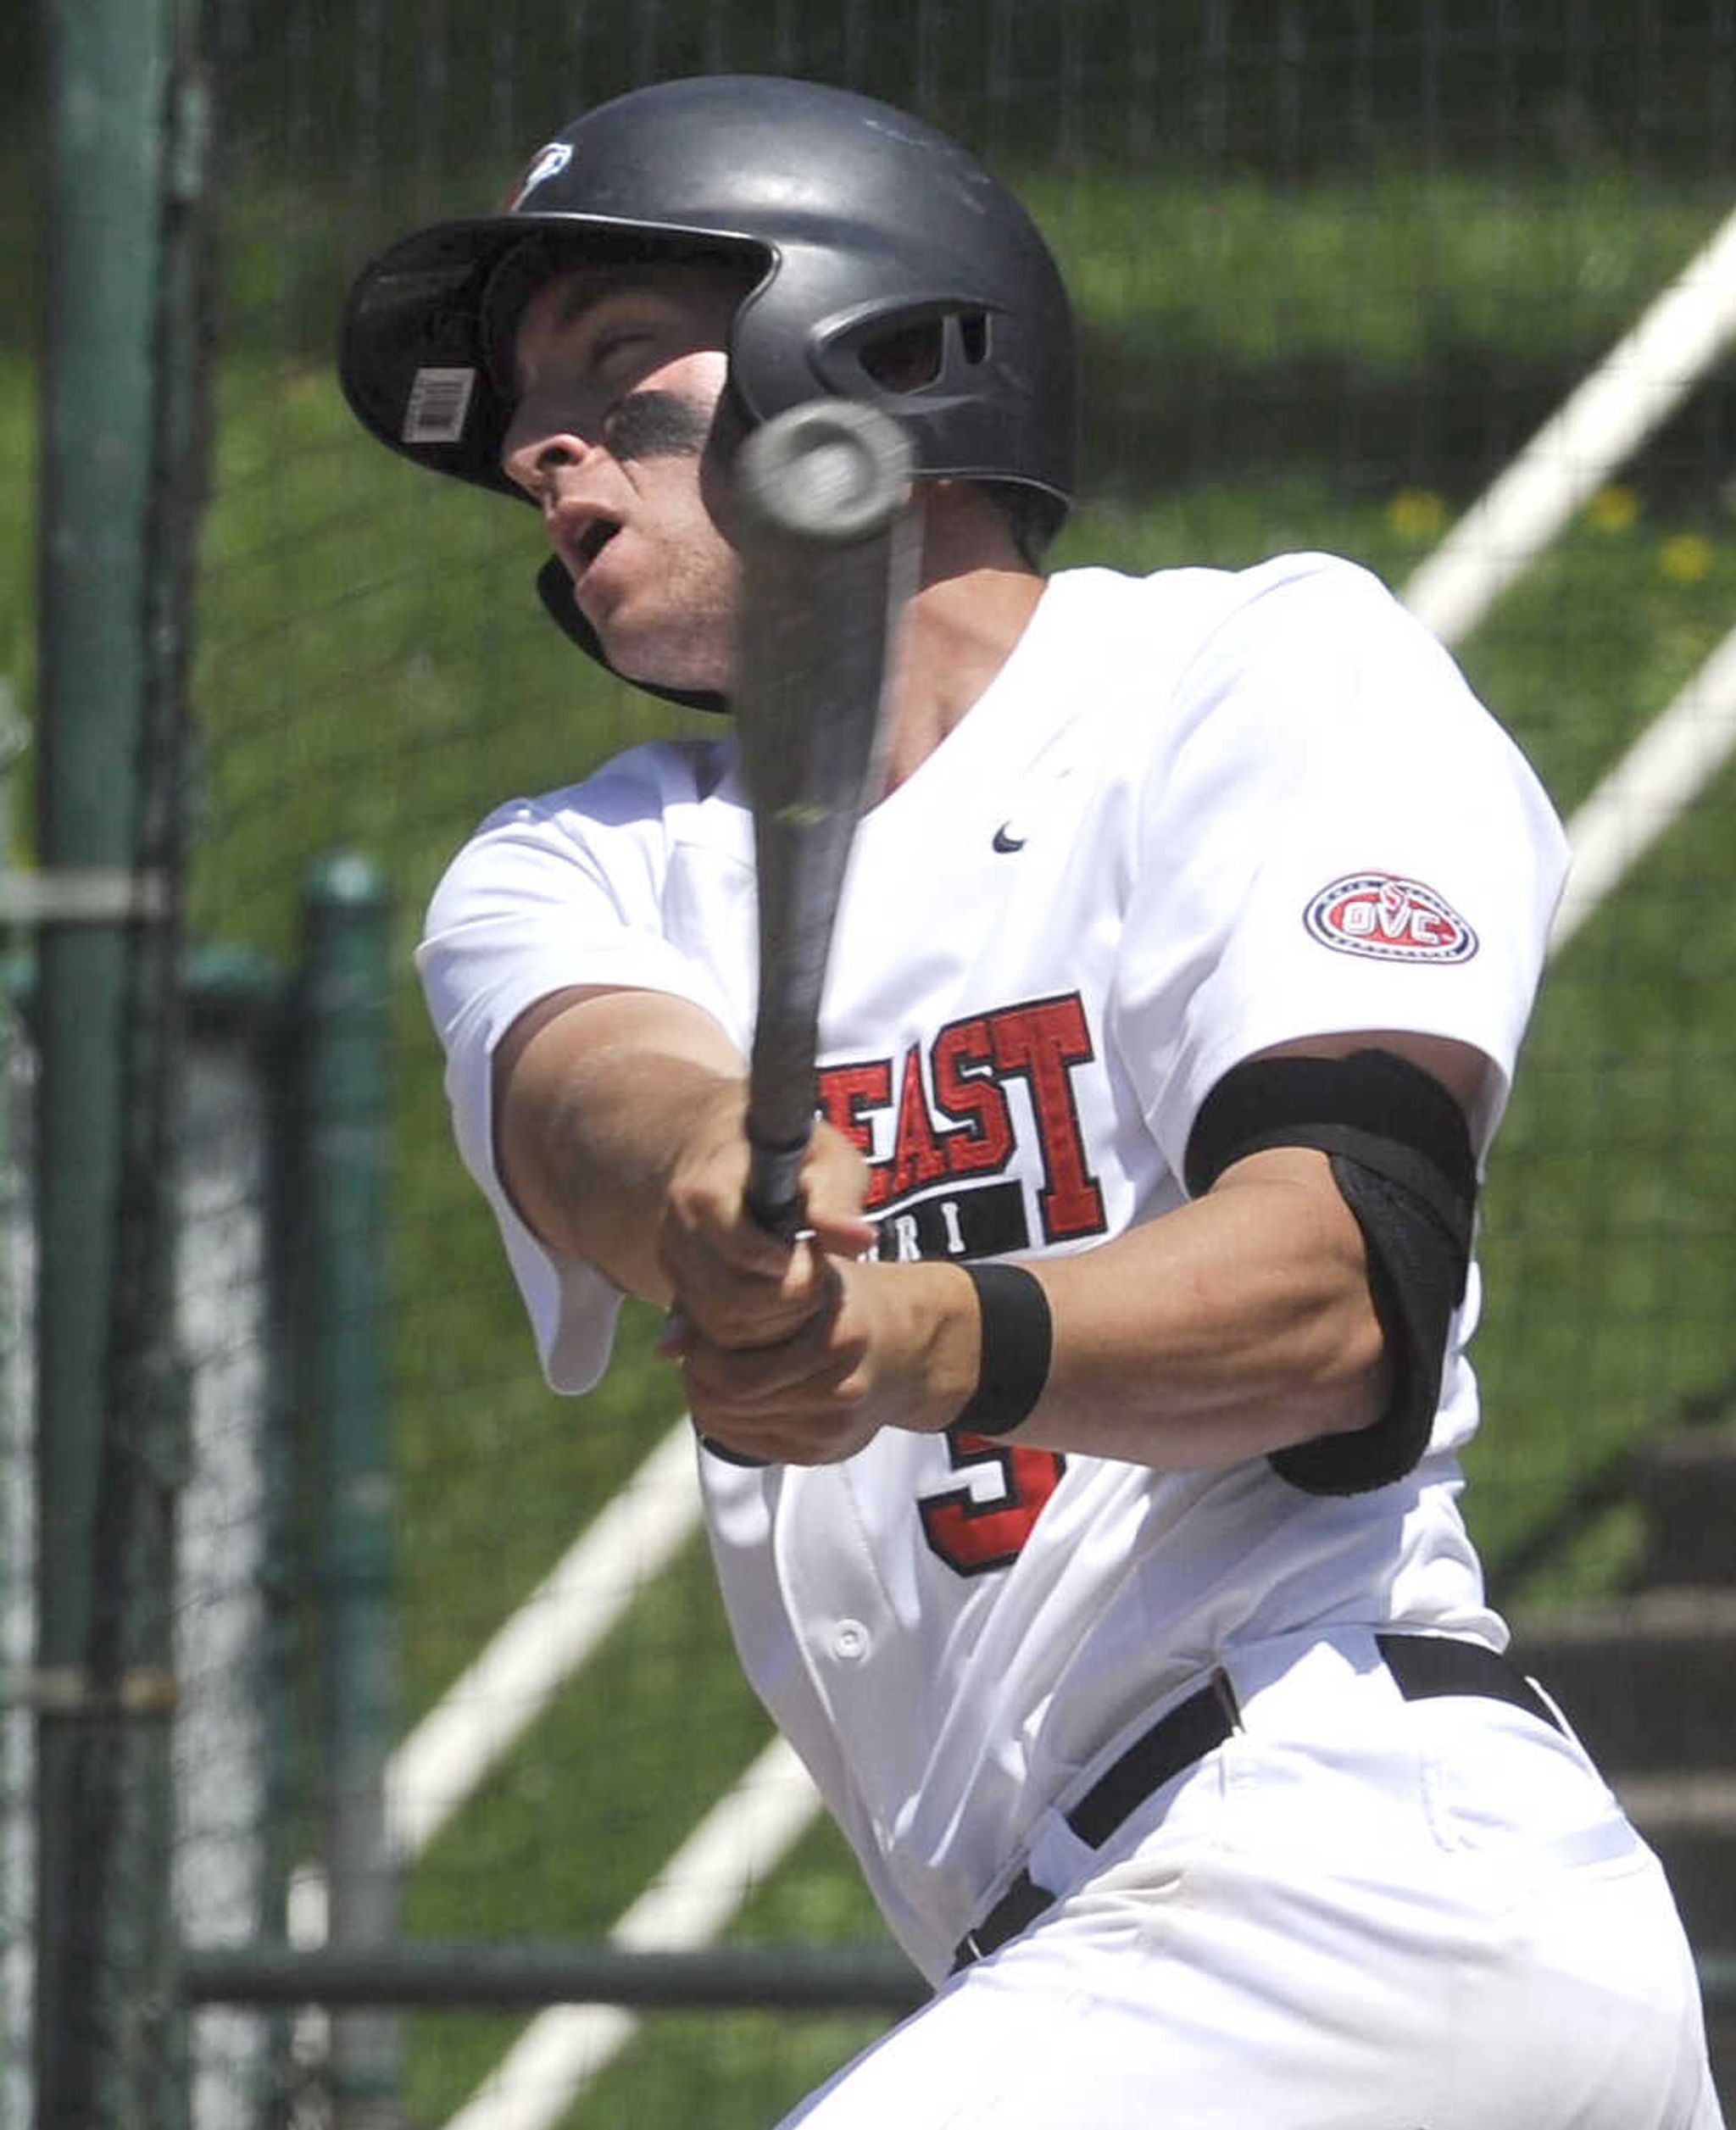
(103, 1685)
(17, 1462)
(346, 985)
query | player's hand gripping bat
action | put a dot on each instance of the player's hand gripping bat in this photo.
(828, 553)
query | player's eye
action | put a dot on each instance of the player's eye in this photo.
(614, 349)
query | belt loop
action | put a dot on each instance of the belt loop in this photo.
(1223, 1686)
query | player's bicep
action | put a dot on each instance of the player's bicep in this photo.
(1464, 1071)
(1390, 1114)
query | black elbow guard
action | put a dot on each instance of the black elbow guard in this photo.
(1401, 1156)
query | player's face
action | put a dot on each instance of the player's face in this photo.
(619, 375)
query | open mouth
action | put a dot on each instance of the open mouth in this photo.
(591, 544)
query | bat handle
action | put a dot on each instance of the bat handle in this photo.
(774, 1201)
(774, 1192)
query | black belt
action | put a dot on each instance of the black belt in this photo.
(1424, 1666)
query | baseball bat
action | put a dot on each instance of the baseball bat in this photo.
(828, 558)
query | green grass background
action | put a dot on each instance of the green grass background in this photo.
(373, 673)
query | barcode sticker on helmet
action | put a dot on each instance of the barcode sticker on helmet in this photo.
(440, 401)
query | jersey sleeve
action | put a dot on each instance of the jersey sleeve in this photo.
(1334, 835)
(549, 893)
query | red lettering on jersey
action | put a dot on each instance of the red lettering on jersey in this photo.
(966, 1090)
(917, 1157)
(1038, 1043)
(976, 1537)
(847, 1094)
(971, 1060)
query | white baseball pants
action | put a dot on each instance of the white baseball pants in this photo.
(1360, 1913)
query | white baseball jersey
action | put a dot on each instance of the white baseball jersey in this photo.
(1193, 815)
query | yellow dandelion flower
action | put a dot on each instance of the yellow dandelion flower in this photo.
(1613, 509)
(1416, 513)
(1685, 557)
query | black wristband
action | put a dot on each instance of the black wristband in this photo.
(1017, 1341)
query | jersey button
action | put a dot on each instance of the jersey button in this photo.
(850, 1641)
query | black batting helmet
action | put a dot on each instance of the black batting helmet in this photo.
(857, 228)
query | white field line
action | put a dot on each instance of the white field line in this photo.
(741, 1841)
(1640, 382)
(627, 1546)
(1660, 774)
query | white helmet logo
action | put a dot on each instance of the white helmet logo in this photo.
(549, 161)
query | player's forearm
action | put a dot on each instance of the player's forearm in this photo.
(597, 1096)
(1239, 1324)
(620, 1120)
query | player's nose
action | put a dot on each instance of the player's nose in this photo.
(535, 460)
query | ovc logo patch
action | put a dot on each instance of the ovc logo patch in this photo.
(1388, 918)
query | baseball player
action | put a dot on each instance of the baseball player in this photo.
(1083, 1485)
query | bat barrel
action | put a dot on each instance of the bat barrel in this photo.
(830, 473)
(827, 550)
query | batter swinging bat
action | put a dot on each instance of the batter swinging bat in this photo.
(828, 553)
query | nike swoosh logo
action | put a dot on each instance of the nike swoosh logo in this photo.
(1006, 841)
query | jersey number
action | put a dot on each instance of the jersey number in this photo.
(973, 1537)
